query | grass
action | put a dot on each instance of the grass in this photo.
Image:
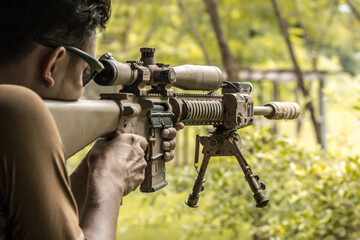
(141, 217)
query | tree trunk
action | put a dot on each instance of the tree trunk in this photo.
(297, 70)
(195, 31)
(228, 60)
(313, 50)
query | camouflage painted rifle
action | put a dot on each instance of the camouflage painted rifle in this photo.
(146, 104)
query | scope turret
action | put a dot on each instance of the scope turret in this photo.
(148, 56)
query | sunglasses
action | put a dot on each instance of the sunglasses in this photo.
(95, 66)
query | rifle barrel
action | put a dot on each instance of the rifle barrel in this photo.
(262, 110)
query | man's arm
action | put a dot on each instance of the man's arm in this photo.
(116, 168)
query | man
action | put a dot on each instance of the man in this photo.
(37, 201)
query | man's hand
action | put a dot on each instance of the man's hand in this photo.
(118, 162)
(170, 143)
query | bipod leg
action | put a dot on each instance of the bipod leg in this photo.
(198, 185)
(252, 180)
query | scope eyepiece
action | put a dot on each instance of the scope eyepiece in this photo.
(108, 75)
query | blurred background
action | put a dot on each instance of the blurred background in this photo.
(290, 50)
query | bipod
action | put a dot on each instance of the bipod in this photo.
(223, 143)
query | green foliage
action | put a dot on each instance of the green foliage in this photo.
(314, 195)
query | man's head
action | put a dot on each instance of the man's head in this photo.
(66, 21)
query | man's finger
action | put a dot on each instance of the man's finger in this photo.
(178, 126)
(168, 156)
(168, 133)
(169, 145)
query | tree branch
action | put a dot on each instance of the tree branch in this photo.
(297, 70)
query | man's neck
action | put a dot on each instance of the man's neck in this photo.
(24, 72)
(14, 73)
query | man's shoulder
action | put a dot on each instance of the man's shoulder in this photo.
(24, 117)
(21, 106)
(18, 98)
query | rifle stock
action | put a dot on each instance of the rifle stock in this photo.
(81, 122)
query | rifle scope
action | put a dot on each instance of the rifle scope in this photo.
(188, 77)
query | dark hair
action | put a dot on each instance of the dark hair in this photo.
(69, 21)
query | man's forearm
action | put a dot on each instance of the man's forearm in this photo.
(114, 168)
(100, 212)
(98, 202)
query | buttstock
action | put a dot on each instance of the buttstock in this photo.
(81, 122)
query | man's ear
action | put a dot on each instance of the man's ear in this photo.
(49, 65)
